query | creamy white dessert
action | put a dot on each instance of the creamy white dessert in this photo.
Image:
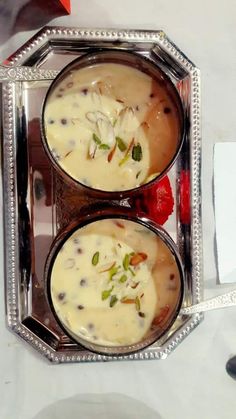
(113, 281)
(111, 127)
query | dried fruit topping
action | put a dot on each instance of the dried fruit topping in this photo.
(128, 300)
(138, 258)
(111, 154)
(119, 224)
(162, 315)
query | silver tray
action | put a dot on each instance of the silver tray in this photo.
(37, 204)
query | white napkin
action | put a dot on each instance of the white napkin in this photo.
(225, 209)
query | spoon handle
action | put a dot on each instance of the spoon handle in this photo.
(26, 73)
(221, 301)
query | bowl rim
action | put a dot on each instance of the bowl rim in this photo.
(91, 56)
(81, 222)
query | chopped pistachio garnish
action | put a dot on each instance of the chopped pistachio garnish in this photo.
(124, 160)
(107, 293)
(104, 147)
(137, 304)
(95, 259)
(126, 261)
(113, 300)
(137, 175)
(137, 153)
(123, 278)
(131, 271)
(121, 144)
(96, 139)
(138, 258)
(114, 269)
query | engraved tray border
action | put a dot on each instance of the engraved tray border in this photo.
(13, 71)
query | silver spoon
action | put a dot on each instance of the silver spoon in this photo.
(221, 301)
(23, 73)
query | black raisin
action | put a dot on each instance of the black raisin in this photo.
(90, 326)
(83, 282)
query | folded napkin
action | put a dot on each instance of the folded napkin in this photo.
(225, 209)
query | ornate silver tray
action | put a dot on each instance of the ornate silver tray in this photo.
(37, 204)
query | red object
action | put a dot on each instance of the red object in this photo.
(37, 13)
(185, 210)
(159, 201)
(66, 5)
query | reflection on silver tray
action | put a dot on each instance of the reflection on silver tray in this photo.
(37, 204)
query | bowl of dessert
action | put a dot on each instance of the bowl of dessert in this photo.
(114, 282)
(112, 121)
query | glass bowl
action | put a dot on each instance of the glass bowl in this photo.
(158, 327)
(56, 99)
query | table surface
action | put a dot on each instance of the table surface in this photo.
(192, 382)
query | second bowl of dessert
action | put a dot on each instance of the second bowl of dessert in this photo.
(112, 121)
(114, 282)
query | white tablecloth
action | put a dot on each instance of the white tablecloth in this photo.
(192, 382)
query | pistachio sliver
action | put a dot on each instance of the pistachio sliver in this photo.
(126, 261)
(137, 304)
(124, 160)
(131, 271)
(113, 271)
(96, 139)
(123, 278)
(104, 146)
(121, 144)
(127, 154)
(113, 300)
(95, 259)
(106, 293)
(137, 153)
